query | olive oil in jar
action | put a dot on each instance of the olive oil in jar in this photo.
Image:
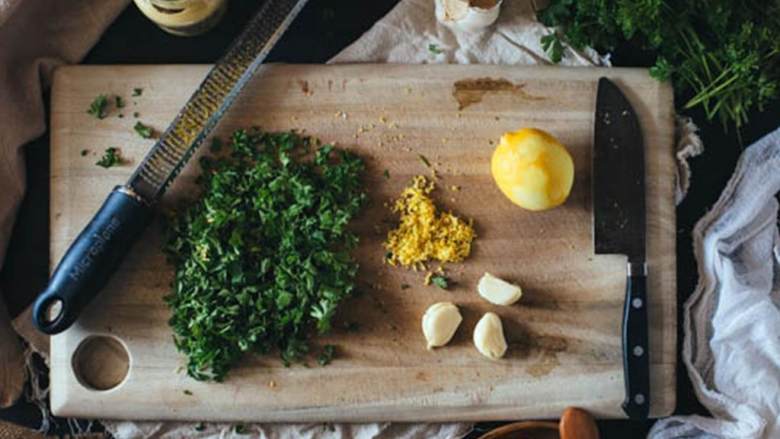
(183, 17)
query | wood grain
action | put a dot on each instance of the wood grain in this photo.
(564, 335)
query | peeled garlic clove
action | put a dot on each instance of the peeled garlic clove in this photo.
(489, 336)
(439, 323)
(467, 15)
(498, 291)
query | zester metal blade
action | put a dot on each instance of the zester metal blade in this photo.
(618, 176)
(212, 99)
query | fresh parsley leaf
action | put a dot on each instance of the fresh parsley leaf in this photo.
(111, 157)
(424, 160)
(119, 102)
(143, 130)
(434, 49)
(188, 392)
(263, 258)
(440, 281)
(98, 106)
(137, 91)
(551, 44)
(386, 174)
(326, 356)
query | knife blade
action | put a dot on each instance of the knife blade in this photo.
(619, 227)
(100, 248)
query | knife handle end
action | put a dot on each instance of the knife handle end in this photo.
(636, 364)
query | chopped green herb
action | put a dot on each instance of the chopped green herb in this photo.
(200, 426)
(111, 157)
(120, 115)
(84, 152)
(424, 160)
(405, 286)
(326, 356)
(136, 114)
(143, 130)
(386, 174)
(98, 106)
(551, 44)
(188, 393)
(440, 281)
(263, 259)
(216, 144)
(137, 91)
(434, 49)
(120, 103)
(240, 429)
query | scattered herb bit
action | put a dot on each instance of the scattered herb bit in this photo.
(200, 426)
(136, 114)
(84, 152)
(424, 160)
(434, 49)
(405, 286)
(137, 91)
(120, 115)
(240, 429)
(98, 106)
(720, 55)
(263, 259)
(187, 392)
(553, 46)
(120, 103)
(111, 157)
(326, 356)
(440, 281)
(386, 174)
(216, 145)
(143, 130)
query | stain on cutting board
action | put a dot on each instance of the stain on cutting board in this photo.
(471, 91)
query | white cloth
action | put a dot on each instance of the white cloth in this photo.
(732, 320)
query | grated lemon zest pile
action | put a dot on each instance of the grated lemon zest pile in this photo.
(424, 233)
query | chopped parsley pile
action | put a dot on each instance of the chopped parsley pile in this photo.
(263, 257)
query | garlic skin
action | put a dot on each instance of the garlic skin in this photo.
(439, 323)
(498, 291)
(489, 336)
(467, 15)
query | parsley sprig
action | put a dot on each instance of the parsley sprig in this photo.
(263, 258)
(721, 55)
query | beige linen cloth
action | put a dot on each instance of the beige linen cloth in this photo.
(65, 30)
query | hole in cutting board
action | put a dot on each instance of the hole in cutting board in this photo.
(101, 362)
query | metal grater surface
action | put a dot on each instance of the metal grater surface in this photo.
(212, 99)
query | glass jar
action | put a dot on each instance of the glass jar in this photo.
(183, 17)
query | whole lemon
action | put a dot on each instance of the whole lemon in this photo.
(533, 169)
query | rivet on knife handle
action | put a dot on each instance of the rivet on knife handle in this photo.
(100, 248)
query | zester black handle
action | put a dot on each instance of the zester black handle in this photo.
(91, 259)
(636, 364)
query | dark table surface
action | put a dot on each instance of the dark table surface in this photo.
(322, 30)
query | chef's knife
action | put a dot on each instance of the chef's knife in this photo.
(99, 249)
(619, 228)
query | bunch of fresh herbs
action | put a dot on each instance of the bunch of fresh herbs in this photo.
(722, 55)
(263, 257)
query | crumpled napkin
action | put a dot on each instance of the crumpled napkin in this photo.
(732, 321)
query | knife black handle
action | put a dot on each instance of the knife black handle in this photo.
(636, 364)
(91, 259)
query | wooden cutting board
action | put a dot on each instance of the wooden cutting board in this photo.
(564, 335)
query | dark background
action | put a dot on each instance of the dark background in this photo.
(321, 31)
